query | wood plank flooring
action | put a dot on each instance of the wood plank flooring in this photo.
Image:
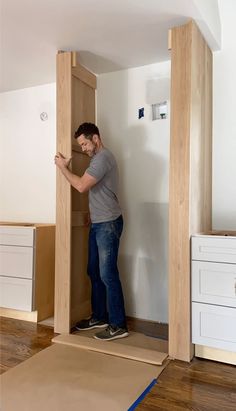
(199, 386)
(20, 340)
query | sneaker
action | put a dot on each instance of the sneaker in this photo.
(111, 333)
(89, 324)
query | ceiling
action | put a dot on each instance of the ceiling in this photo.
(108, 34)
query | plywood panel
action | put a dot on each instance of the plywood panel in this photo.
(200, 134)
(83, 104)
(75, 105)
(80, 289)
(45, 271)
(179, 252)
(80, 163)
(133, 352)
(63, 197)
(83, 110)
(190, 172)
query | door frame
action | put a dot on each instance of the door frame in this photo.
(190, 192)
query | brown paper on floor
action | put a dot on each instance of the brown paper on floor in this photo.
(65, 378)
(136, 346)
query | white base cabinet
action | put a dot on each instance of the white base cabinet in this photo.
(27, 265)
(214, 291)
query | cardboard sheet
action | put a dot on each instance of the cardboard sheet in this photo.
(66, 378)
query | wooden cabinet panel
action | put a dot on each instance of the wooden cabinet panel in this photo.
(75, 105)
(190, 176)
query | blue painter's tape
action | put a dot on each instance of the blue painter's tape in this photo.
(141, 397)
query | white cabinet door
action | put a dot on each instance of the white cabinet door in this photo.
(16, 261)
(214, 283)
(216, 249)
(214, 326)
(16, 293)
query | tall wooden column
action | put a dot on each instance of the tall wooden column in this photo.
(75, 105)
(190, 203)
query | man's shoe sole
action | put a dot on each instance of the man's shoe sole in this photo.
(112, 338)
(91, 328)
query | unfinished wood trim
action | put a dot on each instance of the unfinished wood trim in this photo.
(169, 39)
(63, 197)
(215, 354)
(73, 58)
(190, 173)
(84, 75)
(116, 349)
(31, 316)
(80, 218)
(44, 271)
(224, 233)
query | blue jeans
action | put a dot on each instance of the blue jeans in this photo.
(107, 295)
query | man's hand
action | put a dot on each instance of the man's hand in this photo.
(61, 161)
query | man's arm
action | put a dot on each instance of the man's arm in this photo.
(82, 184)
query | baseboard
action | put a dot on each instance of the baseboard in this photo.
(215, 354)
(19, 315)
(151, 328)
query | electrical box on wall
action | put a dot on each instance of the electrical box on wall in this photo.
(141, 112)
(159, 111)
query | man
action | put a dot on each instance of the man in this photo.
(101, 180)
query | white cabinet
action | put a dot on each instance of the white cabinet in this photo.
(214, 291)
(27, 260)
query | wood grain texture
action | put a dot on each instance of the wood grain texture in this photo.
(198, 386)
(63, 196)
(83, 110)
(76, 104)
(190, 172)
(20, 340)
(215, 354)
(45, 271)
(84, 75)
(147, 355)
(19, 315)
(83, 104)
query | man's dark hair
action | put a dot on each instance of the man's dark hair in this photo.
(88, 130)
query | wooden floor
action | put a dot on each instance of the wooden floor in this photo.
(199, 386)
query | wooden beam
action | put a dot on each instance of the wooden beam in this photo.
(190, 173)
(63, 197)
(169, 39)
(84, 75)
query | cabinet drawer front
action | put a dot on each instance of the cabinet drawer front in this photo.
(216, 249)
(16, 261)
(16, 293)
(214, 283)
(23, 236)
(214, 326)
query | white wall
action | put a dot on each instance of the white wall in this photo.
(27, 148)
(142, 151)
(224, 122)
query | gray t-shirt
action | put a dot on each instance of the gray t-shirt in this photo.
(103, 201)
